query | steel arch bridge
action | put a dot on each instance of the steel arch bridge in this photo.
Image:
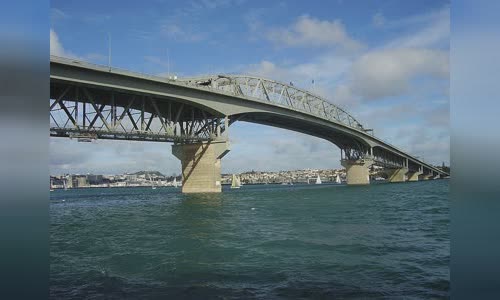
(89, 101)
(277, 93)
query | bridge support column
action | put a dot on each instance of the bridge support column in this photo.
(427, 176)
(413, 176)
(358, 171)
(201, 165)
(397, 175)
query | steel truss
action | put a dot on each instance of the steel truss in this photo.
(379, 156)
(79, 112)
(277, 93)
(387, 159)
(354, 152)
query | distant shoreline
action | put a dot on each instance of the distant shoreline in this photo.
(224, 184)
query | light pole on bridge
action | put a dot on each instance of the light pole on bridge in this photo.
(109, 51)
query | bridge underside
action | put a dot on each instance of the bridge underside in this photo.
(86, 112)
(352, 144)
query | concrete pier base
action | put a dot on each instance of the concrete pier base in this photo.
(397, 175)
(201, 165)
(413, 176)
(358, 171)
(427, 177)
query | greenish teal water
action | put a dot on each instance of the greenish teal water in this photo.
(266, 242)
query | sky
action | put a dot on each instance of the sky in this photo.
(385, 62)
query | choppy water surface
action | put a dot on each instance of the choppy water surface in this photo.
(301, 241)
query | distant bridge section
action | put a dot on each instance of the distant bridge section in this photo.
(90, 101)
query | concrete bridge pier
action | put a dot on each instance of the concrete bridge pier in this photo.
(413, 176)
(358, 171)
(397, 175)
(201, 165)
(427, 176)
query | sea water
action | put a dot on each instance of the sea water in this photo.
(262, 241)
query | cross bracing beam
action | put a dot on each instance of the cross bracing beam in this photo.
(83, 113)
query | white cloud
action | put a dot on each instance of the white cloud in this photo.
(343, 96)
(311, 32)
(438, 116)
(267, 148)
(372, 76)
(269, 70)
(388, 73)
(109, 157)
(56, 47)
(425, 142)
(323, 69)
(389, 70)
(434, 29)
(381, 72)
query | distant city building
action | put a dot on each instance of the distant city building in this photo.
(143, 178)
(131, 177)
(95, 179)
(79, 181)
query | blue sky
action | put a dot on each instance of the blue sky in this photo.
(386, 62)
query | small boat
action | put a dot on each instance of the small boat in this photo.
(235, 182)
(153, 187)
(174, 183)
(318, 180)
(337, 180)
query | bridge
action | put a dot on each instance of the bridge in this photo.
(89, 101)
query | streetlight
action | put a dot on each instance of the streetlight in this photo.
(168, 64)
(109, 51)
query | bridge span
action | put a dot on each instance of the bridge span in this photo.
(90, 101)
